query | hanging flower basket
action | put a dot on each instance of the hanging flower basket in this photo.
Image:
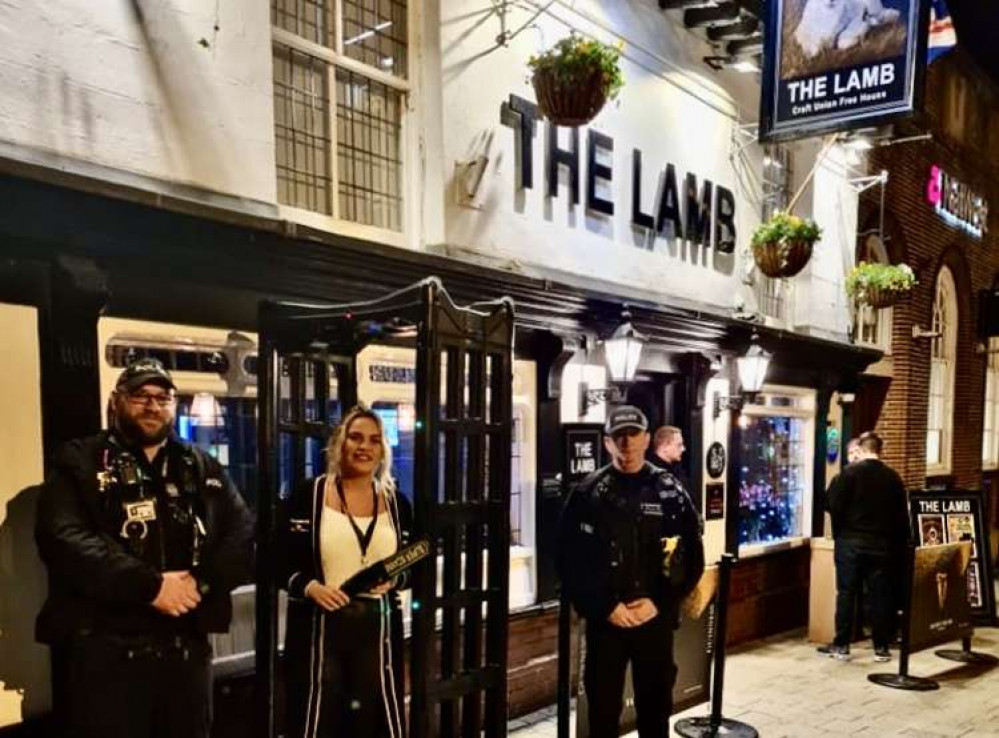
(569, 104)
(783, 245)
(782, 258)
(880, 285)
(574, 79)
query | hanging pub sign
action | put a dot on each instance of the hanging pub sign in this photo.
(951, 516)
(835, 65)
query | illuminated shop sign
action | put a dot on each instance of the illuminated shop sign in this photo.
(704, 215)
(956, 203)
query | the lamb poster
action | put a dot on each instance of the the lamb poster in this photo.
(833, 65)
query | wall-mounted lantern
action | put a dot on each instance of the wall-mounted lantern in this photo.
(622, 352)
(752, 369)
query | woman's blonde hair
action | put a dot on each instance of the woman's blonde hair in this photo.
(334, 449)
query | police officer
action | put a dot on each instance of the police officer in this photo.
(629, 550)
(144, 537)
(669, 448)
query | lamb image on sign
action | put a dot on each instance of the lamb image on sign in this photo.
(845, 31)
(837, 64)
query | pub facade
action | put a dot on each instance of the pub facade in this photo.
(167, 170)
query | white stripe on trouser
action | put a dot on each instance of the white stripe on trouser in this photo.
(316, 674)
(385, 665)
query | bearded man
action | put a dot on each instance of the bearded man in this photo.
(144, 537)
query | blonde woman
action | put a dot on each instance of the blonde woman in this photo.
(343, 654)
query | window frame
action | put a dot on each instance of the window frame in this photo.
(945, 296)
(874, 249)
(990, 401)
(523, 556)
(774, 295)
(335, 59)
(807, 412)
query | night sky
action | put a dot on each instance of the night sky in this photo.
(977, 25)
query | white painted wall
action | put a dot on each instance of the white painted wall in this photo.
(673, 108)
(822, 307)
(670, 109)
(716, 430)
(24, 664)
(179, 90)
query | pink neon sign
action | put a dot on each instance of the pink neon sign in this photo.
(959, 205)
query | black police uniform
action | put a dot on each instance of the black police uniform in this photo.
(109, 522)
(611, 551)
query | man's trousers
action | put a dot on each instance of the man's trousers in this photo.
(649, 648)
(137, 687)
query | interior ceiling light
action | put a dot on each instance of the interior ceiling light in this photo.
(744, 66)
(367, 34)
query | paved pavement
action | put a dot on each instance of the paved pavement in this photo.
(782, 688)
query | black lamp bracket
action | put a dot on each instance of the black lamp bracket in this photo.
(590, 397)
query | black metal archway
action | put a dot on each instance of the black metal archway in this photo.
(461, 483)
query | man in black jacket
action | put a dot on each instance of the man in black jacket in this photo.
(669, 448)
(144, 537)
(870, 519)
(629, 550)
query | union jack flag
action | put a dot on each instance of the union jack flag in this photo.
(942, 36)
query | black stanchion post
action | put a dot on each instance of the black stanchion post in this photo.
(564, 665)
(966, 655)
(715, 724)
(903, 680)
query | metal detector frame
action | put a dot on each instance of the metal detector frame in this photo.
(462, 507)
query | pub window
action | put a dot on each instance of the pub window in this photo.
(872, 327)
(990, 434)
(340, 87)
(956, 105)
(775, 477)
(939, 422)
(992, 129)
(386, 381)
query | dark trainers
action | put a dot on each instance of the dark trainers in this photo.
(834, 651)
(881, 653)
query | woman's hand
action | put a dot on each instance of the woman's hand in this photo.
(328, 598)
(382, 589)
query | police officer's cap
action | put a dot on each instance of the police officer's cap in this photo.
(144, 371)
(625, 417)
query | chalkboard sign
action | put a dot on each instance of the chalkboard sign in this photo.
(950, 516)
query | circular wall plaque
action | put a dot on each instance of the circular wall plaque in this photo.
(716, 460)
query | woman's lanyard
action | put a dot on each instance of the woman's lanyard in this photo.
(363, 539)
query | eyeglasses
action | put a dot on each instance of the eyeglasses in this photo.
(142, 399)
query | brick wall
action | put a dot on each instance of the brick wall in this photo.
(768, 595)
(917, 235)
(532, 672)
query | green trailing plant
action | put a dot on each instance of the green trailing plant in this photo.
(783, 228)
(867, 281)
(575, 59)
